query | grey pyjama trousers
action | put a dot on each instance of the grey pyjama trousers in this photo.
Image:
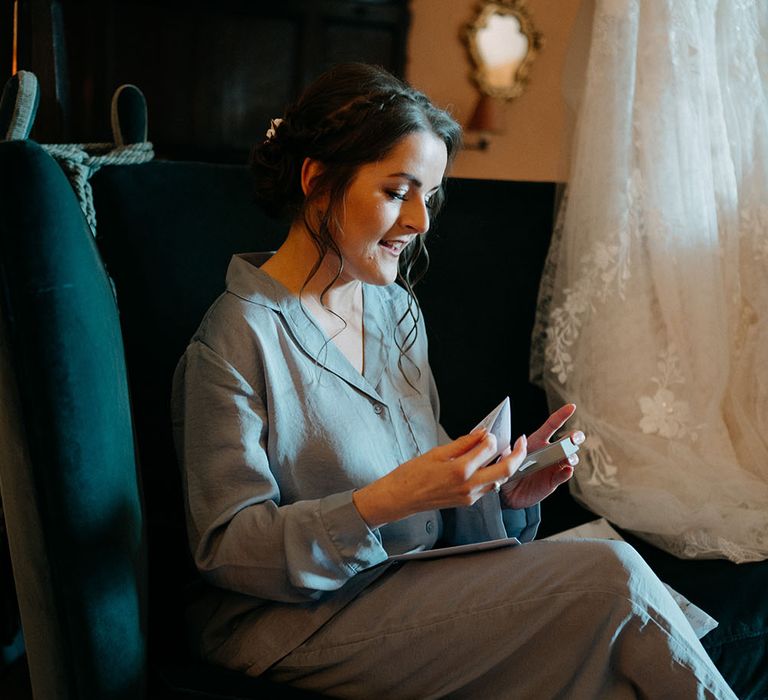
(582, 619)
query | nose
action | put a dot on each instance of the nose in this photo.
(415, 216)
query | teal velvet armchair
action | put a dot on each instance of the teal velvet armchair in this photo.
(69, 481)
(89, 479)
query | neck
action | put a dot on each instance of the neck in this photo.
(292, 264)
(336, 305)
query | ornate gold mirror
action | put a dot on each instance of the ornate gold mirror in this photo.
(502, 43)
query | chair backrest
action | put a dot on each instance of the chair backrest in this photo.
(82, 541)
(67, 463)
(166, 231)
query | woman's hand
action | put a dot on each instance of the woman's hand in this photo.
(530, 490)
(447, 476)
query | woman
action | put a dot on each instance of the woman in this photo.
(307, 424)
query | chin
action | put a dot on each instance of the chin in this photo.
(379, 275)
(385, 277)
(379, 280)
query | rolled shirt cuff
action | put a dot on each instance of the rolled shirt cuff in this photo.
(358, 546)
(522, 523)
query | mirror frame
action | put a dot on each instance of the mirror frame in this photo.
(485, 10)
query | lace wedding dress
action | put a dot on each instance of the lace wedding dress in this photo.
(653, 314)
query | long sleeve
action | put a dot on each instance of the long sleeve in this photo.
(275, 430)
(242, 537)
(522, 523)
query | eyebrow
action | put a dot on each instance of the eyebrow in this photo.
(412, 178)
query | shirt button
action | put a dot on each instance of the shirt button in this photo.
(378, 408)
(429, 527)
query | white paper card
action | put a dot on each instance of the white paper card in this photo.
(499, 422)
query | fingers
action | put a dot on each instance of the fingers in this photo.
(519, 450)
(554, 422)
(562, 475)
(505, 467)
(469, 452)
(462, 445)
(571, 461)
(577, 438)
(479, 455)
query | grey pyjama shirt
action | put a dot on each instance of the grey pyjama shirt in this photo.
(275, 430)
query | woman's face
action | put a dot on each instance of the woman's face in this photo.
(386, 207)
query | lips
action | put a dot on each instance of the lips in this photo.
(394, 246)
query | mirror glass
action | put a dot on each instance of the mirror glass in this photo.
(502, 48)
(502, 42)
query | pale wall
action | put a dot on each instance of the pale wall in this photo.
(536, 142)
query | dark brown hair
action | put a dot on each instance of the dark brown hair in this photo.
(352, 115)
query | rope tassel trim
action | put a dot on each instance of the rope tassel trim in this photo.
(81, 160)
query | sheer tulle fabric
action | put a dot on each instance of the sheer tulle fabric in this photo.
(653, 314)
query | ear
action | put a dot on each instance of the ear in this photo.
(310, 169)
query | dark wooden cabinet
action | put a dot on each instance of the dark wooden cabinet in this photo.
(213, 73)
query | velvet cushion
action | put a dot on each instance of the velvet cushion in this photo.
(166, 232)
(487, 249)
(128, 116)
(18, 106)
(78, 548)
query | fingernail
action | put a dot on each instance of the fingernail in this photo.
(478, 430)
(578, 437)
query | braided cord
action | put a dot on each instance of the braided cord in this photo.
(81, 160)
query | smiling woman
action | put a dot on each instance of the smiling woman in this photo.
(385, 208)
(307, 423)
(359, 174)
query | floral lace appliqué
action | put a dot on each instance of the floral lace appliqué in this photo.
(664, 413)
(599, 468)
(604, 272)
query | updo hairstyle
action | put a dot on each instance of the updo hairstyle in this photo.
(353, 114)
(350, 115)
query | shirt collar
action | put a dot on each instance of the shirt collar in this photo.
(247, 281)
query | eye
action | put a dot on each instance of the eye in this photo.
(397, 194)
